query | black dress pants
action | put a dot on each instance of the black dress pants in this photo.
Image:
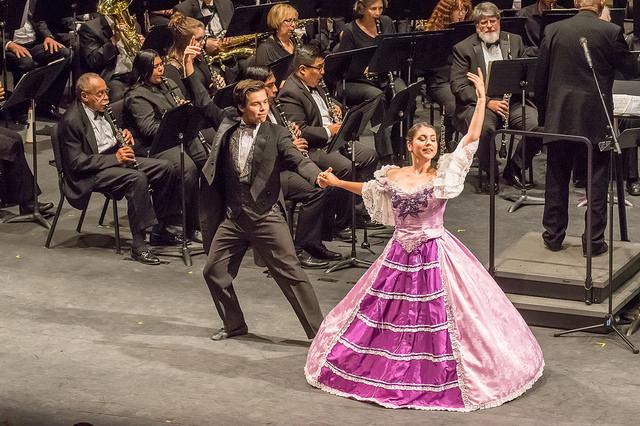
(134, 185)
(560, 158)
(17, 176)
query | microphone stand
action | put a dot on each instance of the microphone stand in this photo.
(613, 147)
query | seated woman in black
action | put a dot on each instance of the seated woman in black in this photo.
(362, 33)
(144, 106)
(282, 19)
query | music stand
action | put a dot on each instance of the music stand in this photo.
(410, 9)
(281, 68)
(31, 87)
(554, 15)
(347, 65)
(224, 96)
(511, 76)
(160, 39)
(178, 124)
(400, 107)
(614, 145)
(354, 123)
(249, 20)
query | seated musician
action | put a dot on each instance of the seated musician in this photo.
(533, 26)
(15, 173)
(308, 235)
(477, 51)
(144, 106)
(104, 50)
(307, 104)
(184, 29)
(362, 33)
(445, 13)
(93, 160)
(282, 20)
(31, 46)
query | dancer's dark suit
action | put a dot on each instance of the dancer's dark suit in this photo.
(569, 102)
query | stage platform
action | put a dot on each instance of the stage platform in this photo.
(548, 287)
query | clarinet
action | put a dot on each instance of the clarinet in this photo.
(287, 123)
(502, 153)
(209, 61)
(330, 104)
(178, 100)
(392, 83)
(119, 134)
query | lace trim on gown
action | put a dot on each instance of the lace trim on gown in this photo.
(453, 169)
(377, 199)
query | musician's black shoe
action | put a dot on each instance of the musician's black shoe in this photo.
(344, 235)
(552, 247)
(224, 334)
(309, 262)
(48, 112)
(321, 252)
(164, 238)
(144, 256)
(596, 249)
(28, 208)
(512, 175)
(633, 188)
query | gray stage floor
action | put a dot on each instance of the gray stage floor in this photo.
(90, 336)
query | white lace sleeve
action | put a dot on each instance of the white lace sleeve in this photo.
(453, 169)
(377, 198)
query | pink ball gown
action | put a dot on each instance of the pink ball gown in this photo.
(426, 326)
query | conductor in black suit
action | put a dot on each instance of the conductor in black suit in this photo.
(569, 102)
(477, 51)
(93, 161)
(242, 203)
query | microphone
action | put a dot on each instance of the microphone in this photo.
(585, 48)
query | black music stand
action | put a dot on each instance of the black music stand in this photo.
(554, 15)
(224, 96)
(31, 87)
(281, 68)
(249, 20)
(347, 65)
(614, 145)
(354, 123)
(178, 124)
(410, 9)
(511, 76)
(400, 107)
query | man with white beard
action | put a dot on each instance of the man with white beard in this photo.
(477, 51)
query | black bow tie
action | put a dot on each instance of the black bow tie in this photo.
(97, 114)
(211, 7)
(244, 126)
(490, 45)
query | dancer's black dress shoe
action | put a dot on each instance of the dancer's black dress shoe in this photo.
(552, 247)
(164, 238)
(633, 188)
(308, 262)
(596, 250)
(321, 252)
(28, 208)
(224, 334)
(144, 256)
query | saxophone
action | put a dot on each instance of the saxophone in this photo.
(330, 104)
(502, 153)
(392, 84)
(287, 123)
(238, 47)
(118, 11)
(119, 134)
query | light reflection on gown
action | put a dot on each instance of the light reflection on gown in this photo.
(426, 326)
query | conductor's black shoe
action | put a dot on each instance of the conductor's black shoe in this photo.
(321, 252)
(633, 188)
(28, 208)
(309, 262)
(224, 334)
(164, 238)
(345, 235)
(596, 250)
(513, 177)
(552, 247)
(144, 256)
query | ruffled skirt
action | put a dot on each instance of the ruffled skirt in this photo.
(427, 329)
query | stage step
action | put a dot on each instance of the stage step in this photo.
(527, 268)
(568, 314)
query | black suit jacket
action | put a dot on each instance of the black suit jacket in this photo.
(300, 107)
(97, 53)
(468, 56)
(192, 8)
(80, 157)
(565, 91)
(39, 27)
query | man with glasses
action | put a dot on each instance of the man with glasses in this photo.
(94, 161)
(478, 51)
(307, 105)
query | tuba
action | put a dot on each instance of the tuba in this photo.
(118, 10)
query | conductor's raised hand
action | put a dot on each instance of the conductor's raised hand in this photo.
(327, 179)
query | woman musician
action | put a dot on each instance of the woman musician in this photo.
(369, 23)
(282, 20)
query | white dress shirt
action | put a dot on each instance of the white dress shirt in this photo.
(101, 129)
(491, 54)
(25, 34)
(214, 27)
(124, 63)
(324, 109)
(246, 140)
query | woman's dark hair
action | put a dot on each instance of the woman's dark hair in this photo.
(143, 64)
(258, 72)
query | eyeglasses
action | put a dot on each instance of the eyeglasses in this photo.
(490, 22)
(317, 67)
(291, 21)
(99, 94)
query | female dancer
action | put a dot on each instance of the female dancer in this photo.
(426, 327)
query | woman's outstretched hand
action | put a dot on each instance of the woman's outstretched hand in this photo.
(327, 178)
(478, 83)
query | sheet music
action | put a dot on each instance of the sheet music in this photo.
(626, 105)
